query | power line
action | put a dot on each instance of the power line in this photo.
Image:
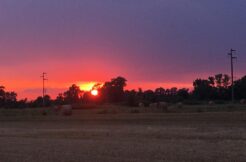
(44, 79)
(232, 57)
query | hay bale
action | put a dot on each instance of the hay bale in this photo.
(58, 108)
(163, 106)
(180, 105)
(67, 110)
(153, 105)
(160, 105)
(211, 102)
(242, 101)
(140, 104)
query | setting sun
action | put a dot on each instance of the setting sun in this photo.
(94, 92)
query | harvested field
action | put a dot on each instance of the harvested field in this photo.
(124, 137)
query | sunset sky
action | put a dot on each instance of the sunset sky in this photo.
(151, 43)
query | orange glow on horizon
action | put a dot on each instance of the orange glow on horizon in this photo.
(32, 89)
(87, 86)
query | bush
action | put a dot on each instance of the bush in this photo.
(67, 112)
(211, 102)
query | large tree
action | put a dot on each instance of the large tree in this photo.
(215, 87)
(113, 91)
(183, 93)
(2, 96)
(73, 95)
(7, 99)
(240, 88)
(202, 89)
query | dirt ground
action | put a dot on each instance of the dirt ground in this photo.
(126, 137)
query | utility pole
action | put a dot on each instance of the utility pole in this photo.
(232, 73)
(44, 79)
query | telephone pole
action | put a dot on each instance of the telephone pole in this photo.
(44, 79)
(232, 57)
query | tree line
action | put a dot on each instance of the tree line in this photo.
(216, 87)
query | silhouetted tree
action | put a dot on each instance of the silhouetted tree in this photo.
(73, 95)
(10, 99)
(160, 94)
(113, 91)
(173, 91)
(140, 95)
(22, 103)
(38, 102)
(131, 98)
(47, 100)
(223, 91)
(183, 93)
(211, 81)
(59, 99)
(218, 80)
(226, 81)
(216, 87)
(149, 96)
(160, 91)
(7, 99)
(2, 96)
(240, 88)
(202, 89)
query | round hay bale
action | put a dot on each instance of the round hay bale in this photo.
(180, 105)
(242, 101)
(211, 102)
(163, 106)
(153, 105)
(140, 104)
(67, 110)
(57, 108)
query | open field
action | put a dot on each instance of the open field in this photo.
(96, 135)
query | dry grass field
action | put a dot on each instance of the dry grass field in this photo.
(109, 135)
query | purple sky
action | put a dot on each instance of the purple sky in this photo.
(146, 41)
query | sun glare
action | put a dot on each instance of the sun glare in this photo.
(94, 92)
(87, 86)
